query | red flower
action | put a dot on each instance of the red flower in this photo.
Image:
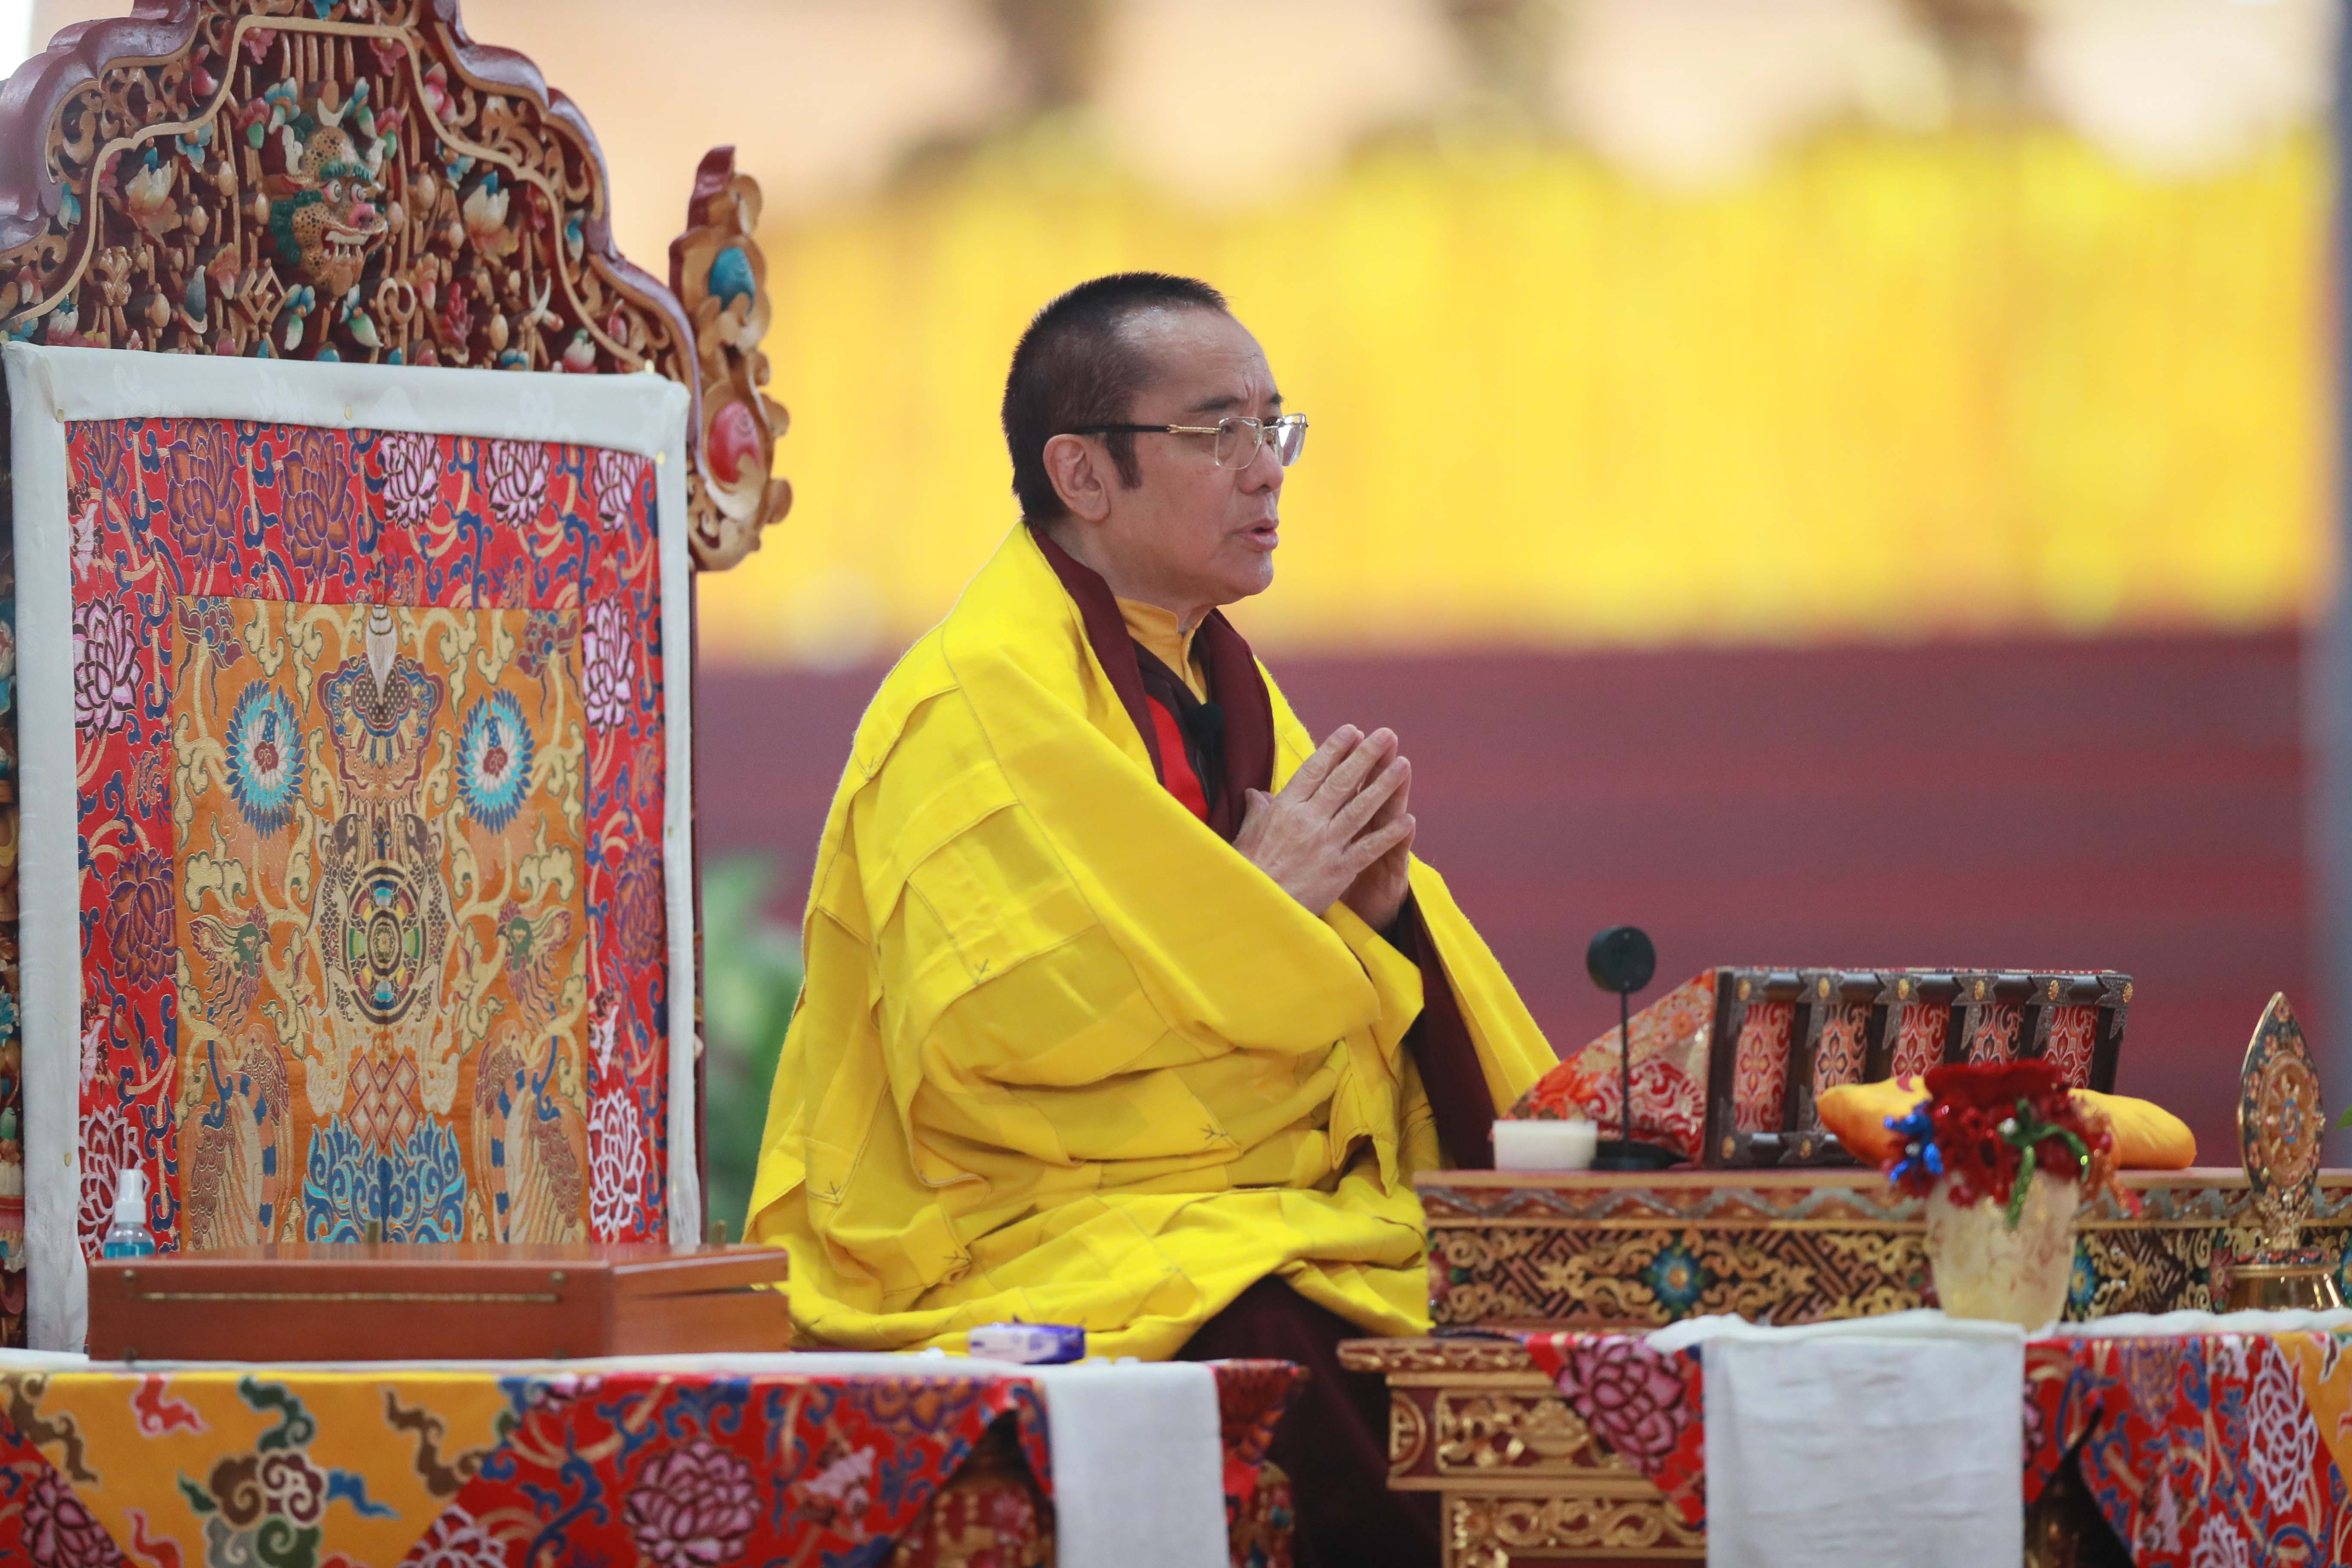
(1981, 1114)
(692, 1506)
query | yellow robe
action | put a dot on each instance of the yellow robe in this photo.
(1062, 1054)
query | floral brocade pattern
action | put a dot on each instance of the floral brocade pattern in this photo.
(1669, 1040)
(367, 931)
(1760, 1083)
(1642, 1404)
(488, 1469)
(1919, 1039)
(2199, 1450)
(1995, 1040)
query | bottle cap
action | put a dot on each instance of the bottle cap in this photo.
(131, 1196)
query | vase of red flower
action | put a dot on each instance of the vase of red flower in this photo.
(2002, 1155)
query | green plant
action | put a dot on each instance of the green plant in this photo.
(750, 978)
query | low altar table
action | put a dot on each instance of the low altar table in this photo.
(1587, 1448)
(683, 1461)
(1517, 1260)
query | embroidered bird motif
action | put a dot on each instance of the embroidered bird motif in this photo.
(233, 951)
(533, 947)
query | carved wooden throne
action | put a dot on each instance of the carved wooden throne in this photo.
(356, 182)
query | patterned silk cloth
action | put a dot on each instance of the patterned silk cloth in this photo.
(370, 736)
(304, 1467)
(2208, 1450)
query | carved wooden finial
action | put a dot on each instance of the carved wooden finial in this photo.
(354, 180)
(718, 273)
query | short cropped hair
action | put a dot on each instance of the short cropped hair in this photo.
(1074, 366)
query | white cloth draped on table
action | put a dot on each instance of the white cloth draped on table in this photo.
(1896, 1440)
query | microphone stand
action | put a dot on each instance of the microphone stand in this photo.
(1621, 959)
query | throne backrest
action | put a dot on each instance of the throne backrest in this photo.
(358, 181)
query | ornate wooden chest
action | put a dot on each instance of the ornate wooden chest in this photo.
(1589, 1250)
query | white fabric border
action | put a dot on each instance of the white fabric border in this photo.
(642, 413)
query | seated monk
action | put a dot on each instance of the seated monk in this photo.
(1126, 1003)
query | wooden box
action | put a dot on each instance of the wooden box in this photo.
(451, 1301)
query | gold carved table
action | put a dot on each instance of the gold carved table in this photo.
(1522, 1480)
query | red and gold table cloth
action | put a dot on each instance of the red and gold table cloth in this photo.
(297, 1468)
(2222, 1450)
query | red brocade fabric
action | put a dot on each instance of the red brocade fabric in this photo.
(445, 1470)
(2199, 1451)
(2202, 1450)
(1646, 1405)
(370, 735)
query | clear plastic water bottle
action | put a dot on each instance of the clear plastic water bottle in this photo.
(126, 1235)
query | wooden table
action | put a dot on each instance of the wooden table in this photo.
(1520, 1478)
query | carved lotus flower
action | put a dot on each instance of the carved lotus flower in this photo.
(147, 198)
(484, 212)
(692, 1506)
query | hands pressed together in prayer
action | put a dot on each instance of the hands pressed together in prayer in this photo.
(1338, 832)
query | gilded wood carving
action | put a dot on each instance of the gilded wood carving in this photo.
(359, 179)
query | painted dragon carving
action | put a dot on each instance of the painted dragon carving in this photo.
(359, 179)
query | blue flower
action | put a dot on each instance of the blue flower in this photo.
(265, 758)
(494, 756)
(1676, 1280)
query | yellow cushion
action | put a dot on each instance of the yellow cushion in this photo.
(2148, 1137)
(1857, 1114)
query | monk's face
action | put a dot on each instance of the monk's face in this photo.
(1195, 535)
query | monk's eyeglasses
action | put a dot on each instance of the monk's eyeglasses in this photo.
(1238, 436)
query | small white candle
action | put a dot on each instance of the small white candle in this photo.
(1544, 1145)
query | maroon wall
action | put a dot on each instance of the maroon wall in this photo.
(2131, 804)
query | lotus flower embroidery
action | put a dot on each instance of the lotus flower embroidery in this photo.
(106, 664)
(692, 1506)
(606, 657)
(411, 474)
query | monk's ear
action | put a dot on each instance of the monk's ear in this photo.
(1076, 467)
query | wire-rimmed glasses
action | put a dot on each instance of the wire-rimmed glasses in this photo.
(1238, 436)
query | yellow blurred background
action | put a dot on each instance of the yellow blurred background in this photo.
(1889, 386)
